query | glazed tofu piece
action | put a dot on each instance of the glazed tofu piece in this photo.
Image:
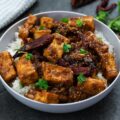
(57, 74)
(26, 71)
(109, 66)
(88, 22)
(40, 33)
(43, 96)
(47, 22)
(98, 46)
(25, 28)
(55, 49)
(7, 70)
(93, 86)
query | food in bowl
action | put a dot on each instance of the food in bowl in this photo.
(61, 61)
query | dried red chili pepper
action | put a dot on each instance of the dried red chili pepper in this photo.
(104, 3)
(77, 3)
(103, 6)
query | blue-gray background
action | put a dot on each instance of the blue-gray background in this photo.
(106, 109)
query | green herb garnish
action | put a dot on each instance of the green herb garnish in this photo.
(66, 48)
(81, 78)
(79, 23)
(41, 28)
(65, 20)
(57, 31)
(29, 56)
(118, 4)
(42, 84)
(83, 51)
(102, 16)
(115, 24)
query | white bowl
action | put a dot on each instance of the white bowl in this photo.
(8, 37)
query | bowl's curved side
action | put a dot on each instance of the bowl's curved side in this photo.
(8, 37)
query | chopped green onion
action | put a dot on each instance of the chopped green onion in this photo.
(65, 20)
(81, 78)
(41, 28)
(66, 48)
(79, 23)
(29, 56)
(102, 16)
(83, 51)
(57, 31)
(42, 84)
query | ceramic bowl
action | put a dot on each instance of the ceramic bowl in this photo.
(8, 37)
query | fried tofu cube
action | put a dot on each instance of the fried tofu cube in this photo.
(98, 46)
(46, 97)
(93, 86)
(25, 28)
(109, 66)
(7, 70)
(46, 22)
(43, 96)
(31, 20)
(26, 71)
(57, 74)
(88, 22)
(40, 33)
(55, 49)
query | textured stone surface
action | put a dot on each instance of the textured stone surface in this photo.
(106, 109)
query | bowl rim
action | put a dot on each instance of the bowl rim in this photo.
(63, 104)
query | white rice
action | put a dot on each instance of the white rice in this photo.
(100, 76)
(12, 48)
(100, 35)
(17, 86)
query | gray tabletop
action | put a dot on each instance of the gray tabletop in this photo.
(106, 109)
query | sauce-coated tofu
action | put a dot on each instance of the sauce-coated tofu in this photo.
(26, 71)
(46, 22)
(93, 86)
(55, 49)
(109, 66)
(57, 74)
(88, 23)
(43, 96)
(98, 46)
(25, 28)
(40, 33)
(7, 70)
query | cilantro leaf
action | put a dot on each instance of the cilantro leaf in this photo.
(29, 56)
(41, 28)
(115, 24)
(83, 51)
(102, 16)
(79, 23)
(81, 78)
(118, 4)
(66, 48)
(42, 84)
(65, 20)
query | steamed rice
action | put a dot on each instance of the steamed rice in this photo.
(18, 87)
(14, 46)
